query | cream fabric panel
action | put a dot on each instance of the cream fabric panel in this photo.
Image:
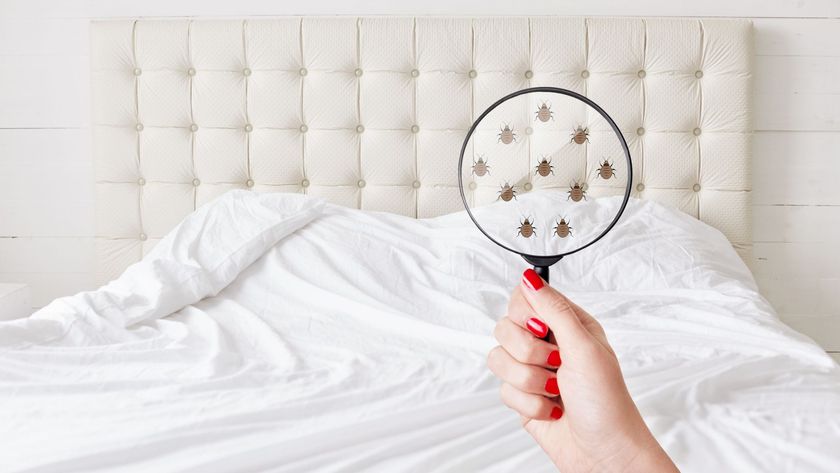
(371, 112)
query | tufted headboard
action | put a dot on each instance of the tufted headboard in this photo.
(371, 112)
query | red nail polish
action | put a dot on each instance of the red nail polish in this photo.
(532, 280)
(556, 413)
(537, 327)
(554, 358)
(551, 386)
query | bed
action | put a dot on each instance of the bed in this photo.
(289, 283)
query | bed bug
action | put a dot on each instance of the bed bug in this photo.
(580, 135)
(507, 192)
(544, 168)
(480, 167)
(606, 170)
(576, 193)
(507, 135)
(563, 229)
(526, 228)
(544, 113)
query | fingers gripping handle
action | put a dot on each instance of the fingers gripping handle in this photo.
(542, 271)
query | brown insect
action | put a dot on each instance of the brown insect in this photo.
(507, 193)
(576, 193)
(606, 170)
(526, 228)
(544, 168)
(580, 135)
(480, 167)
(507, 135)
(563, 229)
(544, 113)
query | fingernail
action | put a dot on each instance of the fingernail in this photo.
(556, 413)
(551, 386)
(532, 280)
(537, 327)
(554, 358)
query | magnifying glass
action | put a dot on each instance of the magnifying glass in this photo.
(533, 168)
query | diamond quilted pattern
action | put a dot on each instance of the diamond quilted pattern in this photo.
(372, 112)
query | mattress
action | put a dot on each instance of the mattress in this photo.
(276, 332)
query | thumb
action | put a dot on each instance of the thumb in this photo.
(554, 309)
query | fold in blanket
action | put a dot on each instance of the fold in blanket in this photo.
(276, 332)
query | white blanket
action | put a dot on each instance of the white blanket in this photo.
(274, 332)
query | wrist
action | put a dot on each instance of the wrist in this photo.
(649, 457)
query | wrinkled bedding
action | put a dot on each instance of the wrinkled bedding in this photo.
(274, 332)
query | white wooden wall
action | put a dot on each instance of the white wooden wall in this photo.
(46, 178)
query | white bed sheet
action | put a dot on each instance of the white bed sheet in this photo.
(310, 337)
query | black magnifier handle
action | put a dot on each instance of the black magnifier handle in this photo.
(542, 271)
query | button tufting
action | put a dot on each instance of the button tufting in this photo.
(640, 187)
(415, 73)
(249, 183)
(359, 72)
(360, 129)
(248, 128)
(698, 74)
(640, 131)
(196, 182)
(303, 71)
(473, 74)
(191, 72)
(473, 186)
(415, 184)
(142, 237)
(529, 74)
(415, 129)
(528, 186)
(641, 74)
(584, 74)
(141, 182)
(193, 127)
(304, 183)
(696, 188)
(697, 132)
(361, 183)
(246, 72)
(137, 71)
(304, 128)
(529, 130)
(139, 127)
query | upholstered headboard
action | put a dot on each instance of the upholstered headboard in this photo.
(371, 112)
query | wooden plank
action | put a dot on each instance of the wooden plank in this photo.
(824, 330)
(796, 260)
(797, 37)
(801, 294)
(40, 200)
(801, 168)
(46, 183)
(46, 255)
(797, 93)
(797, 75)
(726, 8)
(48, 91)
(45, 147)
(48, 286)
(803, 224)
(46, 218)
(41, 36)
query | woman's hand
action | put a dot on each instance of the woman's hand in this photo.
(569, 391)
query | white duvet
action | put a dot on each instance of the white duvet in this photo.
(274, 332)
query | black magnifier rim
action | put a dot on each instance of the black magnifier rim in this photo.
(583, 99)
